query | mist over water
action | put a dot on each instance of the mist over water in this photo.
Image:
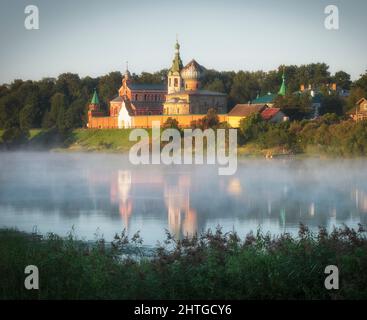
(104, 193)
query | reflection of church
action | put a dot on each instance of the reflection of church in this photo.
(181, 218)
(179, 201)
(127, 194)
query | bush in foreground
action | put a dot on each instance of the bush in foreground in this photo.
(213, 265)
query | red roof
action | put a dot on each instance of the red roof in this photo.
(268, 113)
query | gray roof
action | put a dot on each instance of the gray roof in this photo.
(198, 92)
(117, 99)
(148, 86)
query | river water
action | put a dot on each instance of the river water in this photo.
(102, 194)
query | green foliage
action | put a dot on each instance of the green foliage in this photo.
(296, 106)
(333, 104)
(342, 80)
(329, 134)
(213, 265)
(251, 127)
(171, 123)
(211, 120)
(14, 137)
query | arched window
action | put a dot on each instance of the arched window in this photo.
(145, 97)
(136, 97)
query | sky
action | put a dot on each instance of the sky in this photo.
(95, 37)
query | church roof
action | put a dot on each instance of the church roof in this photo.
(117, 99)
(198, 93)
(95, 99)
(148, 86)
(268, 98)
(283, 88)
(192, 70)
(177, 62)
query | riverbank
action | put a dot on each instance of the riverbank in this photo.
(212, 266)
(117, 141)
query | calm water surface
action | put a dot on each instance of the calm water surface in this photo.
(103, 194)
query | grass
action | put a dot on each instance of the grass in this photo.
(114, 140)
(94, 140)
(210, 266)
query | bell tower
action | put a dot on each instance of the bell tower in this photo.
(175, 82)
(126, 80)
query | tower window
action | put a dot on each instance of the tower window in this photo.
(176, 82)
(170, 83)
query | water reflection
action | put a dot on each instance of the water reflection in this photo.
(57, 191)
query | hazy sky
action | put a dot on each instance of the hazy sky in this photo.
(94, 37)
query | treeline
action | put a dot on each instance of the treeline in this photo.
(62, 103)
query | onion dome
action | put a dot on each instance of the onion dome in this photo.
(177, 62)
(127, 74)
(192, 71)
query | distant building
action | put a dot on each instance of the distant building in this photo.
(360, 111)
(241, 111)
(273, 115)
(318, 92)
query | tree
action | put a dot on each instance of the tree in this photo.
(245, 87)
(75, 116)
(362, 83)
(108, 86)
(57, 112)
(26, 117)
(251, 126)
(171, 123)
(356, 93)
(216, 85)
(342, 80)
(211, 120)
(296, 106)
(332, 104)
(69, 84)
(14, 136)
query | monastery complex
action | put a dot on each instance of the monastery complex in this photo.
(182, 98)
